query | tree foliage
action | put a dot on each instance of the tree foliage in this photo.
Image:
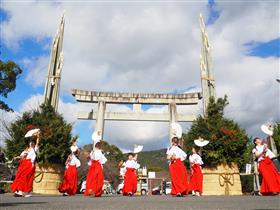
(228, 142)
(55, 135)
(276, 136)
(9, 72)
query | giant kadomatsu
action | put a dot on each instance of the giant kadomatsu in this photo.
(55, 135)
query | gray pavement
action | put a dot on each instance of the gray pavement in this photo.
(38, 202)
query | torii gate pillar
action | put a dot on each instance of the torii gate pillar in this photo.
(99, 127)
(172, 118)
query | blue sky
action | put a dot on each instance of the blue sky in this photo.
(30, 48)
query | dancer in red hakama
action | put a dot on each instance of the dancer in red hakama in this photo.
(95, 177)
(196, 178)
(270, 176)
(130, 176)
(70, 178)
(23, 183)
(178, 172)
(121, 167)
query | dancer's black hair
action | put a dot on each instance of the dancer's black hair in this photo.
(254, 141)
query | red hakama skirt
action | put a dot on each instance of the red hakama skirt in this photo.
(24, 177)
(179, 177)
(270, 177)
(196, 178)
(130, 181)
(95, 180)
(70, 181)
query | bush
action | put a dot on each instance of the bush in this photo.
(247, 183)
(5, 188)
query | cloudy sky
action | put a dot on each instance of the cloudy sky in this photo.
(145, 46)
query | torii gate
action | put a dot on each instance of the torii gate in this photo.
(137, 99)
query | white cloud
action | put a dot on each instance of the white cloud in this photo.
(38, 68)
(68, 110)
(6, 118)
(32, 103)
(155, 47)
(26, 20)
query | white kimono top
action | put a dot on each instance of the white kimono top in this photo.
(131, 164)
(259, 149)
(97, 155)
(195, 159)
(74, 161)
(179, 153)
(31, 154)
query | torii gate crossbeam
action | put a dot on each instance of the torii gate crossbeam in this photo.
(137, 99)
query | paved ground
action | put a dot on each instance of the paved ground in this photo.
(78, 202)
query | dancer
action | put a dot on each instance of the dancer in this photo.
(74, 147)
(95, 177)
(70, 178)
(130, 176)
(23, 183)
(270, 177)
(121, 167)
(178, 172)
(196, 178)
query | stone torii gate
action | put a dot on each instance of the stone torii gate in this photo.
(137, 99)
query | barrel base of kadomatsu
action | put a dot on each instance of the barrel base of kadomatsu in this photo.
(222, 180)
(48, 178)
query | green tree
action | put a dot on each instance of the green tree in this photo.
(112, 151)
(9, 73)
(276, 136)
(55, 135)
(228, 142)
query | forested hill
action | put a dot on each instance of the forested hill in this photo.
(154, 160)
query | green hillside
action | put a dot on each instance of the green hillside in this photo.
(154, 160)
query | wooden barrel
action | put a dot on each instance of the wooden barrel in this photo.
(222, 180)
(48, 178)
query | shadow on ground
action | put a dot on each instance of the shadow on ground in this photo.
(21, 203)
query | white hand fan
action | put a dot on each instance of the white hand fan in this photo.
(31, 132)
(176, 130)
(267, 129)
(96, 136)
(137, 148)
(201, 142)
